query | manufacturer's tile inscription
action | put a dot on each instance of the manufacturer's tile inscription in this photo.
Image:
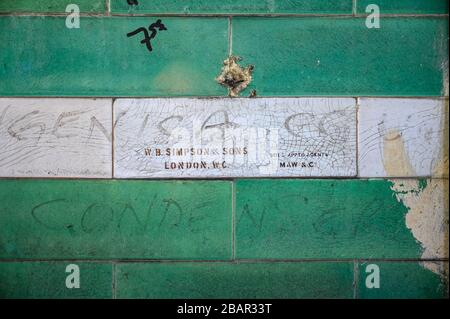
(183, 138)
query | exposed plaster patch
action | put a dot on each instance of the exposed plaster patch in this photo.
(426, 201)
(233, 76)
(440, 169)
(438, 267)
(427, 217)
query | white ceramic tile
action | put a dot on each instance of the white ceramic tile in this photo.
(182, 138)
(55, 137)
(403, 138)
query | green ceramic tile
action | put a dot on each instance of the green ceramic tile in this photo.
(48, 280)
(290, 219)
(405, 6)
(341, 56)
(58, 6)
(115, 219)
(402, 280)
(243, 280)
(40, 56)
(233, 6)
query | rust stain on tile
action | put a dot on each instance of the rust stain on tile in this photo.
(395, 157)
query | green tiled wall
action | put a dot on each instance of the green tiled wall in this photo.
(292, 56)
(235, 238)
(98, 59)
(48, 280)
(310, 56)
(115, 219)
(403, 280)
(233, 6)
(52, 6)
(291, 219)
(405, 6)
(241, 280)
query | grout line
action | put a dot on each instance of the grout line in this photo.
(357, 101)
(230, 46)
(225, 261)
(228, 178)
(230, 35)
(108, 13)
(48, 14)
(355, 278)
(112, 138)
(114, 281)
(284, 15)
(107, 8)
(212, 97)
(233, 219)
(354, 5)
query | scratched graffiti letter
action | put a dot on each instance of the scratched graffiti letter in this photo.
(73, 19)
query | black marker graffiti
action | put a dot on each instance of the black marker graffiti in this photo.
(153, 28)
(132, 2)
